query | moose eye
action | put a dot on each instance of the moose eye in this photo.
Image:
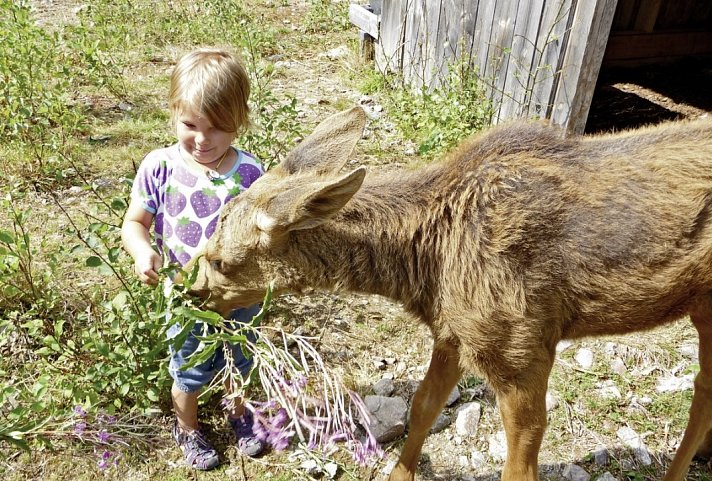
(216, 265)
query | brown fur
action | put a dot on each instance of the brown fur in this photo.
(517, 240)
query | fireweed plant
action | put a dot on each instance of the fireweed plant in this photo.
(304, 404)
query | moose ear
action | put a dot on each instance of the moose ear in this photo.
(310, 205)
(327, 149)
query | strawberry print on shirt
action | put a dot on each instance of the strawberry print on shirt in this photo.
(184, 201)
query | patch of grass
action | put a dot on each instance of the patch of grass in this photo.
(435, 119)
(327, 16)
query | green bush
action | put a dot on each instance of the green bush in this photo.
(436, 119)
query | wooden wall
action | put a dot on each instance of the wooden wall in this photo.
(538, 58)
(651, 31)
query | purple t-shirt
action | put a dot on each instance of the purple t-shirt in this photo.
(185, 202)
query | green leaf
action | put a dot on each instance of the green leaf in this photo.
(152, 394)
(200, 357)
(93, 261)
(118, 204)
(105, 269)
(6, 237)
(114, 254)
(121, 300)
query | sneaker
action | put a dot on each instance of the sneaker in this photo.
(198, 452)
(247, 441)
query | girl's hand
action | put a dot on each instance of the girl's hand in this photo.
(146, 266)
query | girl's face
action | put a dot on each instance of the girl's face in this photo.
(197, 136)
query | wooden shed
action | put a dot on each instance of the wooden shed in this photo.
(537, 58)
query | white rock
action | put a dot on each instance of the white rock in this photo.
(601, 456)
(309, 466)
(606, 477)
(609, 390)
(477, 459)
(453, 397)
(564, 345)
(584, 358)
(676, 384)
(690, 351)
(575, 473)
(618, 366)
(498, 446)
(331, 469)
(551, 402)
(468, 419)
(338, 52)
(632, 440)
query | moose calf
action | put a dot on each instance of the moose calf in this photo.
(519, 239)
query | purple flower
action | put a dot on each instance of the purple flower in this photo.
(107, 419)
(79, 428)
(302, 381)
(280, 419)
(104, 460)
(103, 436)
(363, 453)
(79, 411)
(280, 439)
(259, 428)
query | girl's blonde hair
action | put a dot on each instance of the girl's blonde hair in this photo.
(214, 84)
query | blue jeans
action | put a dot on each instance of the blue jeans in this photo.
(194, 378)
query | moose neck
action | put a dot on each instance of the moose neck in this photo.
(379, 243)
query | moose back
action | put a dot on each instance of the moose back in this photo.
(518, 239)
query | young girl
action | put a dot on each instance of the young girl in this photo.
(181, 190)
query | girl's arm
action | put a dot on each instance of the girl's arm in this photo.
(137, 242)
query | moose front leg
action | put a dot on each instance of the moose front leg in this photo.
(429, 400)
(522, 405)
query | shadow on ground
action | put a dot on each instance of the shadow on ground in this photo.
(633, 97)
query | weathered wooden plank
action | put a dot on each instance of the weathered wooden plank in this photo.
(583, 56)
(555, 23)
(486, 27)
(480, 20)
(365, 20)
(632, 48)
(389, 50)
(623, 18)
(436, 56)
(503, 47)
(521, 59)
(414, 43)
(647, 15)
(455, 17)
(469, 27)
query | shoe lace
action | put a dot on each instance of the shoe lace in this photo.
(195, 441)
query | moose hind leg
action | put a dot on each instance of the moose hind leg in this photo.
(429, 400)
(698, 434)
(523, 408)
